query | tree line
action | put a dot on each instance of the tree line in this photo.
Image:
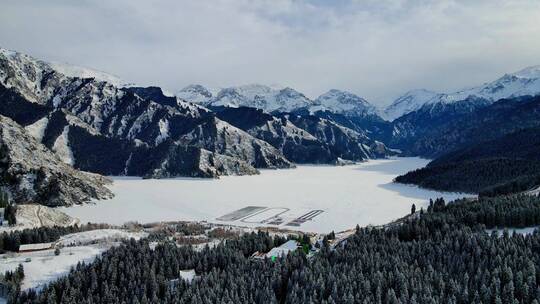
(442, 256)
(488, 177)
(10, 241)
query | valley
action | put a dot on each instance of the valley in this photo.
(112, 192)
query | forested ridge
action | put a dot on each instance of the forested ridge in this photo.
(439, 255)
(508, 164)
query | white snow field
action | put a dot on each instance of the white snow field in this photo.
(99, 235)
(41, 267)
(361, 194)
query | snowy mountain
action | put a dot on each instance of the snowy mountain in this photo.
(408, 102)
(278, 99)
(261, 97)
(93, 125)
(342, 102)
(522, 83)
(98, 127)
(195, 93)
(267, 98)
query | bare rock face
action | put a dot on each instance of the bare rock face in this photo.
(222, 138)
(197, 162)
(31, 173)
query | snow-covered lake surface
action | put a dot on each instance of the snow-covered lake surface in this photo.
(361, 194)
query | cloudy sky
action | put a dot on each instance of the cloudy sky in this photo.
(375, 48)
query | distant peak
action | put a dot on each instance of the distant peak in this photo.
(336, 92)
(420, 91)
(193, 87)
(528, 72)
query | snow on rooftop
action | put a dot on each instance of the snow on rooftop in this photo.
(39, 246)
(188, 275)
(283, 250)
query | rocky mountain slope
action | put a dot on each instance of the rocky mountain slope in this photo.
(31, 173)
(463, 124)
(132, 123)
(309, 139)
(434, 115)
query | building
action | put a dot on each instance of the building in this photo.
(282, 250)
(35, 247)
(186, 275)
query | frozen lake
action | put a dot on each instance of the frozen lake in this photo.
(316, 198)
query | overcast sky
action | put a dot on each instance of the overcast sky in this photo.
(377, 49)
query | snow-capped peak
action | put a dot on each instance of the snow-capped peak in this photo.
(532, 72)
(343, 102)
(408, 102)
(195, 93)
(262, 97)
(521, 83)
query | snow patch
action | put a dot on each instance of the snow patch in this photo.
(163, 131)
(62, 149)
(99, 235)
(37, 129)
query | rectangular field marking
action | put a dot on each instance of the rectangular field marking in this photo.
(240, 213)
(304, 218)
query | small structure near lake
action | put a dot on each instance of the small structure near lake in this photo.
(279, 251)
(35, 247)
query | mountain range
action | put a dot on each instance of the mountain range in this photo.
(100, 125)
(90, 121)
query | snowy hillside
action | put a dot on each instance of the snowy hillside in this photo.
(342, 102)
(521, 83)
(409, 102)
(82, 72)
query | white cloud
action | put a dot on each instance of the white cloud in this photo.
(377, 49)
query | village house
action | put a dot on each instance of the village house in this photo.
(277, 252)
